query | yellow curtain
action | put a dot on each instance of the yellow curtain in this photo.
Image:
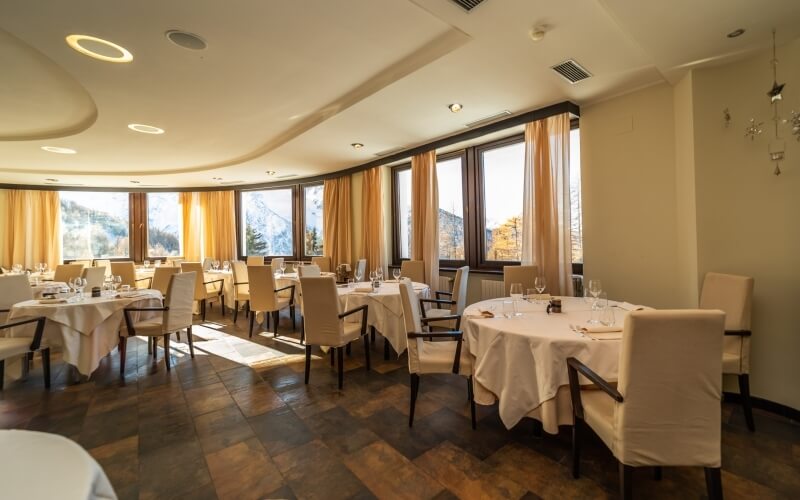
(192, 227)
(425, 215)
(336, 220)
(218, 210)
(546, 218)
(372, 218)
(32, 228)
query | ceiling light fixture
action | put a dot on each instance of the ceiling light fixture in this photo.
(216, 178)
(56, 149)
(537, 33)
(357, 145)
(145, 129)
(51, 180)
(270, 172)
(134, 182)
(455, 107)
(99, 49)
(735, 33)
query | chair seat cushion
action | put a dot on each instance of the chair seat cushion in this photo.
(438, 357)
(149, 328)
(435, 313)
(352, 331)
(731, 363)
(598, 412)
(243, 295)
(10, 347)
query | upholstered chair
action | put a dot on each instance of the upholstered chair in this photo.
(14, 288)
(309, 271)
(265, 298)
(325, 323)
(127, 271)
(162, 276)
(176, 316)
(24, 347)
(456, 303)
(433, 352)
(65, 272)
(241, 288)
(666, 407)
(175, 261)
(255, 260)
(276, 264)
(103, 263)
(324, 263)
(734, 295)
(519, 274)
(94, 276)
(84, 263)
(361, 269)
(414, 270)
(207, 262)
(205, 292)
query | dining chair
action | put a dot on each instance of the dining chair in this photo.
(103, 263)
(207, 262)
(127, 271)
(361, 269)
(84, 263)
(442, 352)
(175, 261)
(325, 322)
(255, 260)
(456, 303)
(161, 278)
(265, 298)
(414, 270)
(309, 271)
(734, 295)
(94, 276)
(276, 264)
(202, 294)
(324, 263)
(14, 288)
(24, 347)
(65, 272)
(526, 275)
(176, 315)
(666, 407)
(241, 288)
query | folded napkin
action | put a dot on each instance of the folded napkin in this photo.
(130, 295)
(52, 301)
(600, 329)
(630, 307)
(605, 335)
(480, 315)
(363, 289)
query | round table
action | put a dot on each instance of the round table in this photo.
(521, 362)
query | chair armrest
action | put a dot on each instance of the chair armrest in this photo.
(452, 335)
(291, 299)
(449, 317)
(37, 336)
(573, 368)
(353, 311)
(438, 302)
(165, 308)
(148, 278)
(738, 333)
(440, 293)
(5, 310)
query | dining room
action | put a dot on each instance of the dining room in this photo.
(414, 249)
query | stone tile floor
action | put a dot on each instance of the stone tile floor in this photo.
(238, 422)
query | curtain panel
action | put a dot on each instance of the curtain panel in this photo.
(33, 228)
(218, 210)
(425, 215)
(546, 235)
(192, 226)
(337, 234)
(372, 218)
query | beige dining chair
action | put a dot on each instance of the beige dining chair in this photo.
(665, 409)
(414, 270)
(205, 292)
(276, 264)
(84, 263)
(127, 271)
(324, 263)
(241, 287)
(176, 315)
(255, 260)
(525, 275)
(162, 277)
(207, 263)
(94, 276)
(734, 295)
(456, 303)
(309, 271)
(14, 288)
(23, 347)
(265, 298)
(175, 261)
(325, 322)
(442, 352)
(103, 263)
(65, 272)
(361, 269)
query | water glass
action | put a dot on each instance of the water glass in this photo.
(595, 287)
(125, 288)
(607, 316)
(157, 263)
(351, 283)
(530, 293)
(116, 281)
(508, 309)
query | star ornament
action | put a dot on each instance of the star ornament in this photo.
(775, 94)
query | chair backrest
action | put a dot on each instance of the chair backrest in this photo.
(734, 295)
(65, 272)
(255, 260)
(519, 274)
(321, 311)
(324, 263)
(180, 296)
(94, 276)
(125, 270)
(162, 277)
(240, 275)
(14, 288)
(414, 270)
(262, 288)
(460, 291)
(310, 271)
(670, 374)
(207, 263)
(84, 263)
(175, 261)
(276, 264)
(361, 269)
(103, 263)
(200, 291)
(413, 321)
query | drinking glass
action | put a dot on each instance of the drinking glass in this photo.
(508, 308)
(379, 273)
(540, 283)
(116, 281)
(607, 316)
(146, 264)
(530, 293)
(80, 284)
(157, 263)
(283, 267)
(226, 266)
(516, 295)
(372, 276)
(351, 283)
(216, 265)
(71, 284)
(595, 287)
(396, 273)
(358, 275)
(16, 268)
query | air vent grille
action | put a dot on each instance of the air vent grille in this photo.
(488, 119)
(571, 71)
(467, 5)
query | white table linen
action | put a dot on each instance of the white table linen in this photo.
(522, 361)
(87, 330)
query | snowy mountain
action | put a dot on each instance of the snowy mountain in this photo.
(269, 233)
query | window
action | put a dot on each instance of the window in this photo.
(576, 224)
(502, 171)
(312, 220)
(449, 173)
(403, 211)
(94, 225)
(164, 225)
(267, 222)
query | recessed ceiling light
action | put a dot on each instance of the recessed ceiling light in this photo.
(56, 149)
(455, 107)
(537, 34)
(51, 180)
(357, 145)
(216, 178)
(270, 172)
(145, 129)
(99, 49)
(735, 33)
(186, 40)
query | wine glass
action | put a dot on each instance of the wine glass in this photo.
(595, 287)
(379, 273)
(71, 284)
(540, 283)
(372, 276)
(16, 268)
(216, 265)
(80, 284)
(396, 273)
(116, 281)
(283, 267)
(226, 266)
(358, 275)
(516, 294)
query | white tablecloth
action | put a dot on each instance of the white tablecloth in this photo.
(522, 361)
(88, 330)
(39, 465)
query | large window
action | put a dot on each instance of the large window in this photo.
(312, 220)
(402, 182)
(94, 225)
(576, 205)
(502, 173)
(450, 174)
(267, 219)
(164, 225)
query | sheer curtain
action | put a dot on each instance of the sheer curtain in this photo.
(33, 228)
(192, 226)
(425, 215)
(218, 209)
(336, 220)
(372, 214)
(546, 236)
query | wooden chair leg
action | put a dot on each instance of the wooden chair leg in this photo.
(302, 330)
(166, 351)
(349, 349)
(386, 348)
(366, 351)
(203, 309)
(235, 310)
(250, 330)
(2, 373)
(576, 447)
(191, 343)
(414, 391)
(123, 350)
(747, 406)
(372, 333)
(222, 300)
(294, 320)
(46, 366)
(471, 395)
(714, 483)
(155, 349)
(657, 473)
(275, 318)
(340, 355)
(625, 481)
(308, 362)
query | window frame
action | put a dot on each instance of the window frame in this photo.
(132, 225)
(396, 259)
(145, 251)
(462, 154)
(302, 220)
(296, 228)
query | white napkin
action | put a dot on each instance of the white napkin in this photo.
(52, 301)
(601, 329)
(627, 306)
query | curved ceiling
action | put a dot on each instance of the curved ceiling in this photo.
(288, 86)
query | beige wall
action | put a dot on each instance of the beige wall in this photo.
(3, 229)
